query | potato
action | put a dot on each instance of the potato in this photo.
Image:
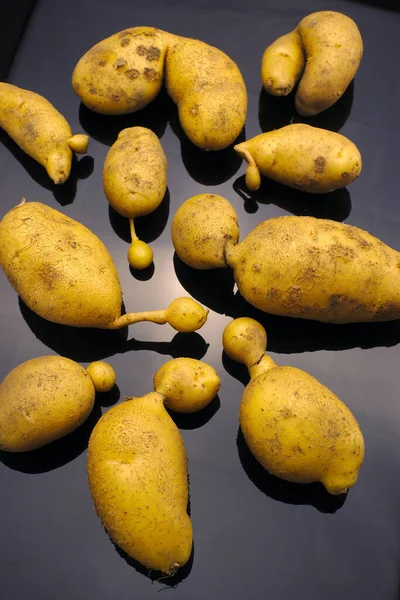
(40, 130)
(102, 374)
(209, 91)
(298, 266)
(198, 227)
(135, 182)
(137, 467)
(123, 73)
(296, 427)
(303, 157)
(137, 472)
(65, 274)
(333, 49)
(44, 399)
(177, 376)
(282, 64)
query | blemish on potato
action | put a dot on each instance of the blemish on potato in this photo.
(319, 164)
(132, 73)
(151, 53)
(151, 74)
(125, 42)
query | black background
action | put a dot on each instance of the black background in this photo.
(254, 536)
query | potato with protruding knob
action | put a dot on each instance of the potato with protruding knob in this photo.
(135, 182)
(46, 398)
(305, 158)
(65, 274)
(293, 266)
(137, 467)
(323, 53)
(40, 130)
(296, 427)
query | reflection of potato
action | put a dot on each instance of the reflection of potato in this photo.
(123, 73)
(40, 130)
(330, 46)
(303, 157)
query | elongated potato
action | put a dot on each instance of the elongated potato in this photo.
(135, 182)
(40, 130)
(209, 90)
(65, 274)
(123, 73)
(324, 52)
(137, 467)
(303, 157)
(298, 266)
(44, 399)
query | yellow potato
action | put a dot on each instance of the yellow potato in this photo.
(135, 182)
(176, 377)
(198, 227)
(122, 73)
(282, 64)
(137, 467)
(43, 400)
(303, 157)
(65, 274)
(324, 52)
(333, 46)
(102, 374)
(297, 266)
(137, 471)
(40, 130)
(296, 427)
(209, 91)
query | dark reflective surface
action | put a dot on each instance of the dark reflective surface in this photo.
(254, 536)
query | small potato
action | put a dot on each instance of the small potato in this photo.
(283, 64)
(43, 400)
(201, 229)
(102, 374)
(187, 384)
(303, 157)
(209, 90)
(40, 130)
(122, 73)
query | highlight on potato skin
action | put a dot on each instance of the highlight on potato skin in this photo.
(124, 73)
(135, 182)
(299, 267)
(323, 54)
(65, 274)
(295, 427)
(46, 398)
(137, 467)
(40, 130)
(303, 157)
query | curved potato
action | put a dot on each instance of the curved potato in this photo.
(283, 64)
(40, 130)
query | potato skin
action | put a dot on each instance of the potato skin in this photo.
(334, 48)
(135, 173)
(187, 384)
(61, 270)
(201, 229)
(137, 470)
(122, 73)
(300, 431)
(282, 64)
(317, 269)
(303, 157)
(43, 400)
(209, 90)
(38, 129)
